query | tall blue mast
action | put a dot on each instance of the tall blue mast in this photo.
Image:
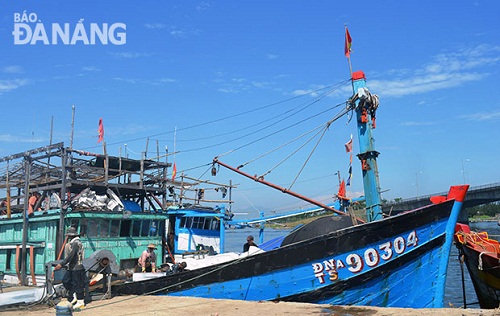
(365, 106)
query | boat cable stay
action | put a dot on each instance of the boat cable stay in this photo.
(283, 116)
(273, 121)
(368, 101)
(330, 89)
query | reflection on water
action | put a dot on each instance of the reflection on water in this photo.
(454, 290)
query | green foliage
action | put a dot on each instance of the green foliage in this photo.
(485, 210)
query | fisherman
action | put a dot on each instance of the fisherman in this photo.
(249, 243)
(176, 268)
(32, 202)
(147, 261)
(74, 279)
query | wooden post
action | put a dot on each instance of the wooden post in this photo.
(8, 191)
(27, 171)
(106, 163)
(64, 201)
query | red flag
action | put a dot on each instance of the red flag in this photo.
(174, 172)
(348, 43)
(100, 130)
(341, 194)
(348, 146)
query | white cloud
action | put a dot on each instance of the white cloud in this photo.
(13, 69)
(202, 6)
(160, 81)
(445, 71)
(7, 138)
(483, 116)
(9, 85)
(178, 33)
(314, 91)
(167, 80)
(131, 55)
(272, 56)
(417, 123)
(155, 26)
(90, 68)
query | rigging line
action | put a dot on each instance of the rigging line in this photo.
(310, 155)
(228, 117)
(293, 153)
(281, 146)
(197, 167)
(254, 132)
(204, 173)
(269, 119)
(283, 129)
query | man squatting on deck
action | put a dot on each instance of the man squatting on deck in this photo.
(147, 261)
(74, 278)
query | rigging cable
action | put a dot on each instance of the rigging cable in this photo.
(281, 146)
(268, 126)
(283, 129)
(293, 153)
(341, 83)
(309, 157)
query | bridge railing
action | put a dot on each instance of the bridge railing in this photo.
(427, 197)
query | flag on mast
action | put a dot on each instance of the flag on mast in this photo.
(348, 146)
(342, 192)
(100, 130)
(174, 172)
(348, 43)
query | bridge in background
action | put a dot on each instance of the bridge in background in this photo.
(479, 195)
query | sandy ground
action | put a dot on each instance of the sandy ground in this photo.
(166, 305)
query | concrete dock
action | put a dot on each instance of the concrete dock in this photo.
(169, 305)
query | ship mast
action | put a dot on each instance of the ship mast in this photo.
(365, 105)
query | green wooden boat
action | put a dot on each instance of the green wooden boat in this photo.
(116, 204)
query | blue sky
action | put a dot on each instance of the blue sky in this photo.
(229, 75)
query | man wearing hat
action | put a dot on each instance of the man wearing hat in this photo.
(147, 261)
(74, 279)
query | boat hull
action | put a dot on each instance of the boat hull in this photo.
(396, 262)
(481, 256)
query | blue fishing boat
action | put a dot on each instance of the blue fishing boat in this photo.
(381, 260)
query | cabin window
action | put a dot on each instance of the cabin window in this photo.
(125, 228)
(215, 224)
(104, 228)
(114, 229)
(93, 228)
(145, 227)
(206, 225)
(136, 228)
(84, 223)
(161, 227)
(198, 222)
(153, 229)
(8, 259)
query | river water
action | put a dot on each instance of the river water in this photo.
(454, 291)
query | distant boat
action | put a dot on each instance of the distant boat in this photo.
(482, 258)
(398, 261)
